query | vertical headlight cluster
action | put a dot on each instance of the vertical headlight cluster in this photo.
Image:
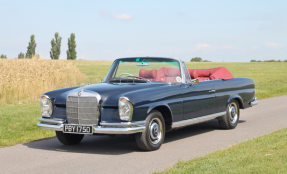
(125, 109)
(46, 106)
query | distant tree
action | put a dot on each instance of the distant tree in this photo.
(71, 52)
(285, 60)
(21, 55)
(206, 61)
(31, 47)
(3, 56)
(253, 60)
(56, 47)
(196, 59)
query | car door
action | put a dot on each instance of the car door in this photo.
(198, 99)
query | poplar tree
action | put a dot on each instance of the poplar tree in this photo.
(56, 47)
(71, 52)
(21, 55)
(31, 47)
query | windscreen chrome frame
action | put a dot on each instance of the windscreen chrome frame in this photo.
(181, 63)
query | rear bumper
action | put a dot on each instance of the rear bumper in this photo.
(254, 102)
(104, 128)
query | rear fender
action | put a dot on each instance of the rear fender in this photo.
(238, 99)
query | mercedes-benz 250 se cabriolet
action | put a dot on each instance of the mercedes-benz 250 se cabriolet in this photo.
(146, 96)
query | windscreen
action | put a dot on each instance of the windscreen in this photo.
(146, 69)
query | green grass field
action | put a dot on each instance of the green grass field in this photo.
(18, 122)
(266, 154)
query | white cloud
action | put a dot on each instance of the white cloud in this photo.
(206, 46)
(202, 46)
(123, 16)
(254, 48)
(228, 47)
(274, 45)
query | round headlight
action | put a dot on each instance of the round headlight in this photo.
(125, 109)
(46, 106)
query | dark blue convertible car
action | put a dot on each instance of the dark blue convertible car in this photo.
(146, 96)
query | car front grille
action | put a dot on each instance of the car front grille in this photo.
(82, 109)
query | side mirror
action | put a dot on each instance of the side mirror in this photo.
(194, 81)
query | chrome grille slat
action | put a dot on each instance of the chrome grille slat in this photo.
(82, 109)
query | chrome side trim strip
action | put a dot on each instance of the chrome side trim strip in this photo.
(196, 120)
(51, 121)
(136, 123)
(254, 102)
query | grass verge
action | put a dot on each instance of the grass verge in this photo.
(18, 124)
(266, 154)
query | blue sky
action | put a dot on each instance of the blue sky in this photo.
(230, 31)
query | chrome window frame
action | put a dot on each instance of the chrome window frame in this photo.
(183, 81)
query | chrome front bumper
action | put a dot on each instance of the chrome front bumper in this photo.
(254, 102)
(104, 128)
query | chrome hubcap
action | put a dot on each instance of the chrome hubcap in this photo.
(233, 113)
(155, 128)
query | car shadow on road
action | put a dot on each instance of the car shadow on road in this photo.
(121, 144)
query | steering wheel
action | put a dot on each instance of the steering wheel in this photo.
(126, 74)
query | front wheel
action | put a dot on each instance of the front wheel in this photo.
(230, 120)
(153, 136)
(69, 139)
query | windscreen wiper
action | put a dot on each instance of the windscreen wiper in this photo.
(139, 78)
(128, 80)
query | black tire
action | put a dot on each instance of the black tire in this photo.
(153, 136)
(69, 139)
(230, 120)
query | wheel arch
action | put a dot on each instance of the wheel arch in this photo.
(166, 113)
(238, 99)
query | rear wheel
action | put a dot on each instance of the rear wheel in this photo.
(153, 136)
(69, 139)
(230, 120)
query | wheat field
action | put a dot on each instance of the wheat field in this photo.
(24, 80)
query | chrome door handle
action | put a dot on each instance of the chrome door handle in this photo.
(212, 90)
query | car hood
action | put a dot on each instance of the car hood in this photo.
(109, 93)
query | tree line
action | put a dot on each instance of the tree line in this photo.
(268, 60)
(55, 48)
(198, 59)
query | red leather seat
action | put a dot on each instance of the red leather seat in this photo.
(193, 73)
(210, 74)
(168, 74)
(148, 74)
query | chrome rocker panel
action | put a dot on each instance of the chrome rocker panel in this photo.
(105, 128)
(196, 120)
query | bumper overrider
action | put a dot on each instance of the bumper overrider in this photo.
(254, 102)
(103, 128)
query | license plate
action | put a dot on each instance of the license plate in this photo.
(79, 129)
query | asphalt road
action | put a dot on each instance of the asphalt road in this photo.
(103, 154)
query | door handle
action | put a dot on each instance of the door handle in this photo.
(213, 90)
